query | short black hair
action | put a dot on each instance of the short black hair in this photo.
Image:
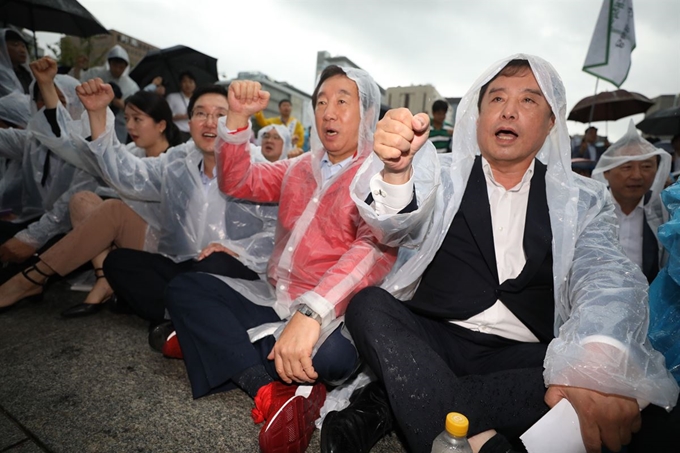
(11, 35)
(116, 59)
(327, 73)
(513, 68)
(187, 74)
(589, 128)
(206, 89)
(440, 106)
(283, 101)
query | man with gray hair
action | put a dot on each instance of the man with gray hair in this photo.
(636, 173)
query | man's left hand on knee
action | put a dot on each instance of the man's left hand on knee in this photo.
(292, 352)
(605, 419)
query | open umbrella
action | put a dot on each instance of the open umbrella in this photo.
(170, 63)
(609, 106)
(661, 122)
(58, 16)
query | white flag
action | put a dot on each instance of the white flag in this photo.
(613, 41)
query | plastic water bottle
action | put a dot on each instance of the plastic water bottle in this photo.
(453, 438)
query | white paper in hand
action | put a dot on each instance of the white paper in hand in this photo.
(558, 431)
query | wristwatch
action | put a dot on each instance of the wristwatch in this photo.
(305, 310)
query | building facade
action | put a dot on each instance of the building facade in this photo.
(96, 47)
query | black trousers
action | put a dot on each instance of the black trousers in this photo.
(141, 278)
(430, 367)
(212, 320)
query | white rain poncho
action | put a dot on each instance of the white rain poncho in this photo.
(15, 109)
(256, 151)
(45, 195)
(324, 253)
(125, 83)
(632, 147)
(600, 296)
(8, 79)
(72, 148)
(190, 216)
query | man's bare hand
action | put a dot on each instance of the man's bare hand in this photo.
(292, 353)
(158, 80)
(215, 247)
(16, 251)
(398, 137)
(605, 419)
(95, 94)
(245, 98)
(44, 70)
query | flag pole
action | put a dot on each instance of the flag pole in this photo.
(592, 106)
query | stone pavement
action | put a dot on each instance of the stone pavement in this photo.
(94, 385)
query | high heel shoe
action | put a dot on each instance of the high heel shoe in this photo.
(33, 297)
(85, 309)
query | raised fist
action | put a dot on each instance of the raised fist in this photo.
(398, 137)
(44, 70)
(247, 97)
(95, 94)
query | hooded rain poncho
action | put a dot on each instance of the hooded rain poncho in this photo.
(601, 312)
(324, 253)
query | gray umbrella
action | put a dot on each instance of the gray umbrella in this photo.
(661, 122)
(58, 16)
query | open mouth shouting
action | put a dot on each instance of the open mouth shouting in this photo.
(506, 134)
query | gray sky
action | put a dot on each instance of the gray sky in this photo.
(445, 43)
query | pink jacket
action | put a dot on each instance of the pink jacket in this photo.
(324, 253)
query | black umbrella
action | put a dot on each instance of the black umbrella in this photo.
(58, 16)
(170, 63)
(609, 106)
(661, 122)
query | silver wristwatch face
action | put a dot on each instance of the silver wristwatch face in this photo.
(305, 310)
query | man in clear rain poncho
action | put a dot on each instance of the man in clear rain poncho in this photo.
(48, 184)
(510, 280)
(14, 72)
(15, 112)
(253, 335)
(636, 173)
(171, 212)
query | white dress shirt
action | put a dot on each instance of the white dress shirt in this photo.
(508, 216)
(630, 231)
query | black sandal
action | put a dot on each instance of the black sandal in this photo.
(32, 298)
(83, 309)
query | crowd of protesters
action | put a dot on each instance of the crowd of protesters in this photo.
(470, 269)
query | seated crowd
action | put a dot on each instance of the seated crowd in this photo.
(489, 280)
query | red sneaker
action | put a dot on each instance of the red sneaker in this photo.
(171, 347)
(290, 412)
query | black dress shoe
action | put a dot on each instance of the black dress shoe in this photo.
(357, 428)
(80, 310)
(159, 334)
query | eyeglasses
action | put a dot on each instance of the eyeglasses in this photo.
(267, 136)
(202, 116)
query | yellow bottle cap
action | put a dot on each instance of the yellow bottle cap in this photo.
(457, 424)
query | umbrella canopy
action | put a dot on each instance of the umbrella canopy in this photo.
(661, 122)
(609, 106)
(58, 16)
(170, 63)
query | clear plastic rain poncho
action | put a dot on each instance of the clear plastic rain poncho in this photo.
(190, 216)
(664, 292)
(8, 79)
(324, 253)
(72, 148)
(632, 147)
(45, 195)
(15, 109)
(601, 312)
(284, 133)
